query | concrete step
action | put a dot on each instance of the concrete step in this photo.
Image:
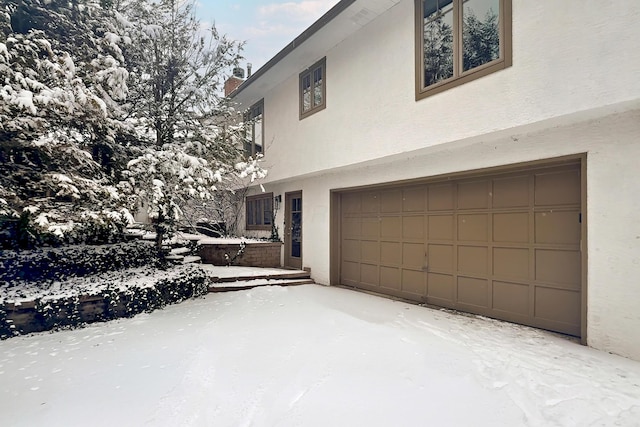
(180, 251)
(191, 259)
(241, 285)
(295, 275)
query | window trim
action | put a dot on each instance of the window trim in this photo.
(249, 116)
(504, 61)
(256, 197)
(322, 63)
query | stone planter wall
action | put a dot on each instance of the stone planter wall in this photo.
(256, 254)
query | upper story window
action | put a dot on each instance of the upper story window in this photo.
(254, 142)
(313, 89)
(460, 40)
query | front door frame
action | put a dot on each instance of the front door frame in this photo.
(291, 261)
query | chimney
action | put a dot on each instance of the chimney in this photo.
(234, 81)
(249, 69)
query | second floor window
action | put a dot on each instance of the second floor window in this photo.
(460, 40)
(254, 142)
(313, 89)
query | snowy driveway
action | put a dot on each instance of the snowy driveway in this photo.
(311, 356)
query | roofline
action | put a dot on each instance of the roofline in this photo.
(306, 34)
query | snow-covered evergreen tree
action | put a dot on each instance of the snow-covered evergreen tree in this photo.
(61, 85)
(108, 105)
(176, 71)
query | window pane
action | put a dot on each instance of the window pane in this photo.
(438, 40)
(259, 212)
(267, 211)
(317, 93)
(257, 134)
(481, 32)
(306, 100)
(250, 214)
(306, 93)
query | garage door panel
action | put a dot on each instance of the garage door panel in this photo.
(506, 245)
(370, 251)
(557, 305)
(370, 228)
(414, 282)
(413, 199)
(440, 286)
(511, 298)
(472, 291)
(440, 258)
(557, 188)
(511, 192)
(370, 202)
(413, 227)
(558, 267)
(350, 271)
(472, 260)
(369, 274)
(511, 263)
(473, 195)
(390, 278)
(511, 227)
(440, 197)
(473, 227)
(391, 201)
(440, 227)
(558, 227)
(351, 203)
(413, 255)
(351, 227)
(391, 227)
(391, 253)
(351, 250)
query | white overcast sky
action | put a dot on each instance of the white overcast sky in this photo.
(266, 26)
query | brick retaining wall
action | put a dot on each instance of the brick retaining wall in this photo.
(256, 254)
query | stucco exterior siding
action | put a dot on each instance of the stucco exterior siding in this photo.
(566, 59)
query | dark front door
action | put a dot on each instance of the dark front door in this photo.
(293, 230)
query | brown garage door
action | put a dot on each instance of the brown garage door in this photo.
(505, 246)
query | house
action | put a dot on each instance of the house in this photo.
(480, 155)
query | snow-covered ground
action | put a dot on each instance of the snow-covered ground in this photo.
(311, 356)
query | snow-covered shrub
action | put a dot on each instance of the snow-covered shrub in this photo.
(72, 261)
(117, 300)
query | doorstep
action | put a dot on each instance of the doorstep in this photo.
(234, 278)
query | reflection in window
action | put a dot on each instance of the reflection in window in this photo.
(254, 140)
(438, 41)
(460, 38)
(312, 89)
(481, 32)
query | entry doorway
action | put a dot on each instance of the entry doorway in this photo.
(293, 230)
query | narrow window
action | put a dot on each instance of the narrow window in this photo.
(313, 89)
(254, 140)
(460, 40)
(259, 212)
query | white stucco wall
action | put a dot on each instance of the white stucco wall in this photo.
(573, 88)
(568, 56)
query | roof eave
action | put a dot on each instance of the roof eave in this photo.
(306, 34)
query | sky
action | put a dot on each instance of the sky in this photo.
(266, 26)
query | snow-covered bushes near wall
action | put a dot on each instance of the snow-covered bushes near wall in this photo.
(74, 302)
(49, 264)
